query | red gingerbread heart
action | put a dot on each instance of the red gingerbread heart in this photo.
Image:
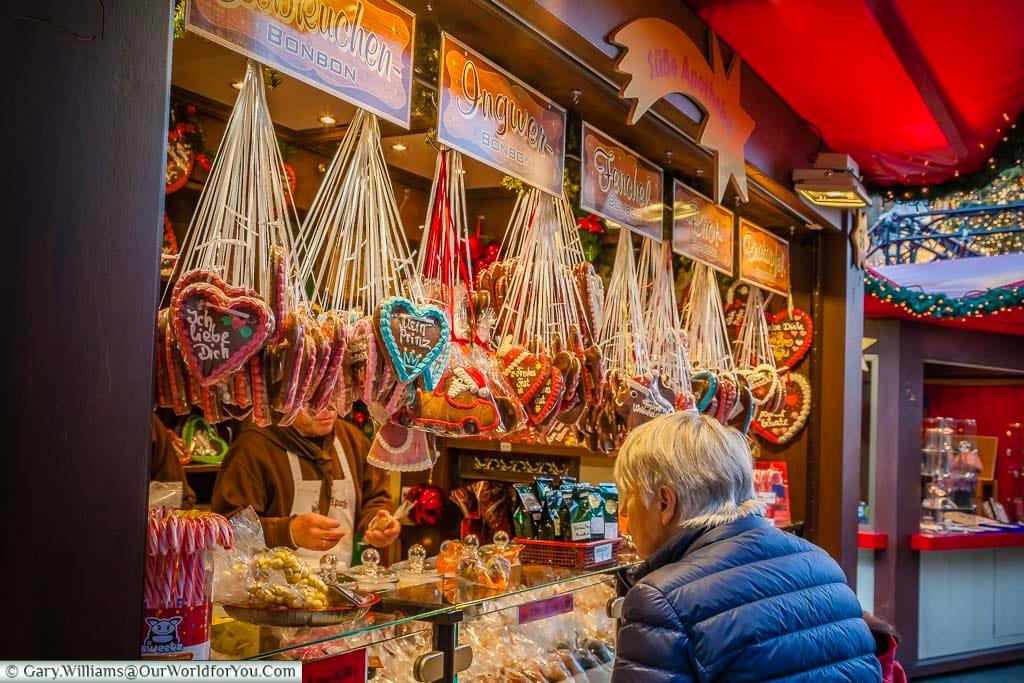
(216, 332)
(790, 334)
(537, 384)
(779, 427)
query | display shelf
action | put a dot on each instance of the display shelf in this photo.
(510, 447)
(960, 541)
(872, 540)
(404, 611)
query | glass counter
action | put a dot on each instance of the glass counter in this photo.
(405, 624)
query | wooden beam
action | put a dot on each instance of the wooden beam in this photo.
(836, 381)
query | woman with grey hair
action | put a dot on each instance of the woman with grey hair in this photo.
(723, 595)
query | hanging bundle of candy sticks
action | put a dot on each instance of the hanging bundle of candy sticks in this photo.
(176, 543)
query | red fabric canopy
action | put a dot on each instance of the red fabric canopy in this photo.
(914, 90)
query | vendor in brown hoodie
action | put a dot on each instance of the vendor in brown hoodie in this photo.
(310, 484)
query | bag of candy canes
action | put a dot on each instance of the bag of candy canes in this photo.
(178, 598)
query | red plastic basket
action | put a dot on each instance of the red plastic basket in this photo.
(575, 555)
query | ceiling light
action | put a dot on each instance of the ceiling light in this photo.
(399, 147)
(328, 120)
(834, 181)
(237, 85)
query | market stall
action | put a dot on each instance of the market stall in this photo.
(629, 255)
(941, 536)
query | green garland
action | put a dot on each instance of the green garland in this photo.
(1008, 153)
(921, 304)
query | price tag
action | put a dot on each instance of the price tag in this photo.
(549, 607)
(504, 447)
(603, 553)
(345, 668)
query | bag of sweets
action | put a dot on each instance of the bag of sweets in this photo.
(528, 512)
(610, 493)
(553, 512)
(566, 488)
(579, 530)
(596, 513)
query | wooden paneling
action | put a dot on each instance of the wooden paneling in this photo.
(87, 120)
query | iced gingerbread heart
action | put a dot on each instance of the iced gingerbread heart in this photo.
(217, 332)
(414, 337)
(537, 384)
(779, 427)
(790, 333)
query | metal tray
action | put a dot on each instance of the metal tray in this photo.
(296, 618)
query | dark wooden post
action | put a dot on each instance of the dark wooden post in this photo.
(87, 122)
(898, 476)
(839, 295)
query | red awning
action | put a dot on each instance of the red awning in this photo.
(914, 90)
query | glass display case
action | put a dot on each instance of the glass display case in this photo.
(550, 623)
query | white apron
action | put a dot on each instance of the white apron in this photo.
(343, 507)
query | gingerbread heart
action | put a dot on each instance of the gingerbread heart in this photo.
(536, 383)
(780, 427)
(790, 334)
(216, 332)
(414, 337)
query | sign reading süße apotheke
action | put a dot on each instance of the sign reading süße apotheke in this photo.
(486, 113)
(764, 258)
(360, 51)
(619, 185)
(701, 229)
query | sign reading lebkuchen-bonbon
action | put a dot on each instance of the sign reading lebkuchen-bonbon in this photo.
(701, 229)
(764, 258)
(619, 185)
(486, 113)
(359, 51)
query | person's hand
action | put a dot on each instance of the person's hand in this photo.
(315, 532)
(383, 530)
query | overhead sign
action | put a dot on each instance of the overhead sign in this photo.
(619, 185)
(660, 58)
(488, 114)
(764, 258)
(702, 230)
(359, 51)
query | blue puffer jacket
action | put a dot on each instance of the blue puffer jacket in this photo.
(742, 602)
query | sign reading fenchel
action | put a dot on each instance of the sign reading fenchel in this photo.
(764, 258)
(360, 51)
(619, 185)
(486, 113)
(701, 229)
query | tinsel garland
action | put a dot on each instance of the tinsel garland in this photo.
(921, 304)
(1009, 152)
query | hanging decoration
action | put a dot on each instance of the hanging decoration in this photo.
(781, 426)
(715, 382)
(666, 345)
(759, 384)
(635, 393)
(791, 332)
(234, 293)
